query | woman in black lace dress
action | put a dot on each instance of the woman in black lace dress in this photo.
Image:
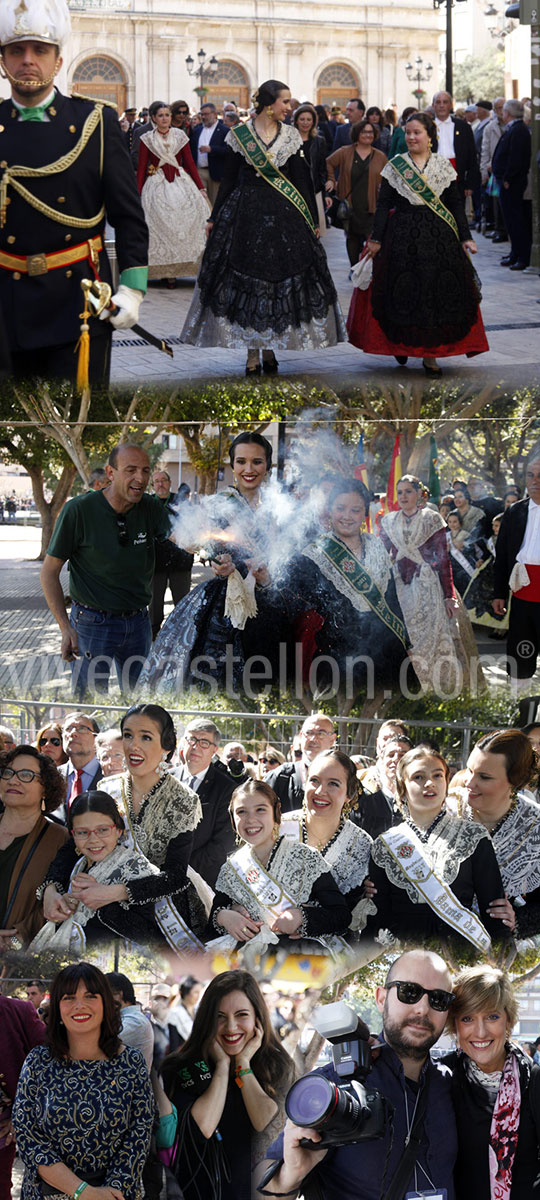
(423, 299)
(264, 279)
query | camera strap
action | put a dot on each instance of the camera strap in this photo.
(402, 1174)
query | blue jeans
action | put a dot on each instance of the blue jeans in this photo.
(105, 639)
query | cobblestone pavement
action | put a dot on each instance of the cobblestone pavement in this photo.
(30, 662)
(509, 308)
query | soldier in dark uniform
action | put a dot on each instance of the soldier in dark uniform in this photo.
(64, 166)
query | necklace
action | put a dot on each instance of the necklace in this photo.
(492, 829)
(321, 846)
(137, 817)
(425, 833)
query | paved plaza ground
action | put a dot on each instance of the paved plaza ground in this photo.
(511, 316)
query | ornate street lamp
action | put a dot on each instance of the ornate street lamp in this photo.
(414, 74)
(205, 67)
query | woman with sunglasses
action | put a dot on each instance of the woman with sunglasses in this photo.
(496, 1091)
(160, 815)
(269, 760)
(84, 1107)
(434, 872)
(98, 832)
(30, 787)
(49, 742)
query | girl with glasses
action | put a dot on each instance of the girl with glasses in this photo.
(30, 787)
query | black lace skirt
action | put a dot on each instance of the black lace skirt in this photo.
(264, 279)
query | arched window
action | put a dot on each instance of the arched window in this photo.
(336, 84)
(229, 82)
(102, 78)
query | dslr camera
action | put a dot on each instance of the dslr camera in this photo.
(343, 1113)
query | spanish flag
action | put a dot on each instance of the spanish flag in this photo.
(395, 474)
(360, 472)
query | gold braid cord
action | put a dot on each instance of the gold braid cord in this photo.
(9, 178)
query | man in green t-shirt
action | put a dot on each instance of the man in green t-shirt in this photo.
(108, 539)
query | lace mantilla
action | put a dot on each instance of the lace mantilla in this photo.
(375, 561)
(409, 535)
(447, 847)
(438, 172)
(294, 865)
(517, 846)
(347, 853)
(167, 148)
(169, 809)
(287, 143)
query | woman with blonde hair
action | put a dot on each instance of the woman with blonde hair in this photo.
(496, 1091)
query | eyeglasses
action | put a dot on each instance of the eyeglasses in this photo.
(123, 535)
(204, 743)
(411, 993)
(25, 776)
(44, 741)
(82, 835)
(273, 762)
(317, 733)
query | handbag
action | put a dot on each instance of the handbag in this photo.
(340, 212)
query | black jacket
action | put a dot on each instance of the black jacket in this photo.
(42, 310)
(512, 155)
(509, 541)
(473, 1118)
(287, 784)
(213, 838)
(467, 168)
(218, 149)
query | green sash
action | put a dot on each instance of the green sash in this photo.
(264, 166)
(352, 570)
(420, 186)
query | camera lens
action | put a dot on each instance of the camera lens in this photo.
(311, 1100)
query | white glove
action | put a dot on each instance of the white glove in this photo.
(128, 301)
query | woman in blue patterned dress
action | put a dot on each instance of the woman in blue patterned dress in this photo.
(84, 1108)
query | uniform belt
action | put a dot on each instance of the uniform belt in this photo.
(39, 264)
(102, 612)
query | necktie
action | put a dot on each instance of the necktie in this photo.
(76, 787)
(34, 112)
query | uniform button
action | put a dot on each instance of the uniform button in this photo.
(73, 129)
(11, 239)
(2, 128)
(69, 274)
(61, 199)
(51, 111)
(68, 237)
(3, 163)
(16, 275)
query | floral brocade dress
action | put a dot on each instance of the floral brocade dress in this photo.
(175, 206)
(424, 297)
(264, 280)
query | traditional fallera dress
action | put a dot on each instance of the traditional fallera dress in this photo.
(423, 577)
(516, 839)
(295, 876)
(480, 591)
(344, 607)
(93, 1116)
(424, 297)
(264, 280)
(232, 613)
(175, 207)
(348, 855)
(428, 881)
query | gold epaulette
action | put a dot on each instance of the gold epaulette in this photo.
(94, 100)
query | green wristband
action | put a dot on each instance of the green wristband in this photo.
(80, 1189)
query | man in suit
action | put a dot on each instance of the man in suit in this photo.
(517, 569)
(510, 166)
(456, 142)
(52, 228)
(289, 781)
(355, 110)
(202, 771)
(83, 771)
(209, 150)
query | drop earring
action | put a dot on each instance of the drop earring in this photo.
(161, 768)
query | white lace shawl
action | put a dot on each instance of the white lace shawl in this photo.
(349, 854)
(376, 562)
(167, 148)
(408, 536)
(287, 143)
(438, 172)
(294, 865)
(173, 809)
(448, 846)
(517, 847)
